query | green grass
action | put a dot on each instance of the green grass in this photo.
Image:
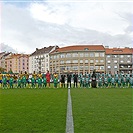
(44, 110)
(102, 110)
(33, 110)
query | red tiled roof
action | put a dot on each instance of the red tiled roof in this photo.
(118, 51)
(80, 48)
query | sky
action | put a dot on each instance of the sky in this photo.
(27, 25)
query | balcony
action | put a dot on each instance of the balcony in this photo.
(125, 63)
(126, 68)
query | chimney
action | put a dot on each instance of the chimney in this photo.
(36, 49)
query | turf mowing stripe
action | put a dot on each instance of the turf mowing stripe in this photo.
(69, 118)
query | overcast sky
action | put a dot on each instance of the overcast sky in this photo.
(28, 25)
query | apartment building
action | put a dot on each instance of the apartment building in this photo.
(78, 58)
(23, 63)
(12, 63)
(16, 63)
(39, 60)
(119, 59)
(3, 61)
(1, 54)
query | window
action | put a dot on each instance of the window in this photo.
(51, 57)
(128, 61)
(75, 61)
(81, 61)
(86, 55)
(62, 68)
(108, 56)
(81, 54)
(91, 67)
(96, 67)
(96, 61)
(115, 56)
(62, 62)
(57, 56)
(86, 67)
(75, 54)
(96, 54)
(101, 61)
(121, 66)
(68, 68)
(121, 56)
(115, 67)
(62, 56)
(101, 67)
(115, 61)
(121, 61)
(81, 67)
(109, 66)
(91, 61)
(68, 55)
(101, 54)
(68, 61)
(128, 56)
(91, 54)
(108, 61)
(75, 67)
(86, 49)
(54, 56)
(86, 61)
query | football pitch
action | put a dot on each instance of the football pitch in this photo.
(44, 110)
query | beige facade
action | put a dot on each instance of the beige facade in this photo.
(23, 63)
(80, 59)
(17, 63)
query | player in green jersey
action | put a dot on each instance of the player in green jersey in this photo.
(23, 82)
(80, 79)
(19, 82)
(55, 82)
(100, 82)
(113, 82)
(4, 81)
(32, 82)
(131, 81)
(11, 82)
(119, 82)
(44, 81)
(123, 81)
(83, 81)
(39, 81)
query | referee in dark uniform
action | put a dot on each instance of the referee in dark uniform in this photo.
(75, 78)
(69, 76)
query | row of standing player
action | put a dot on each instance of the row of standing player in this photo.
(25, 80)
(102, 80)
(43, 80)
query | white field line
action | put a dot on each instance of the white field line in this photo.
(69, 118)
